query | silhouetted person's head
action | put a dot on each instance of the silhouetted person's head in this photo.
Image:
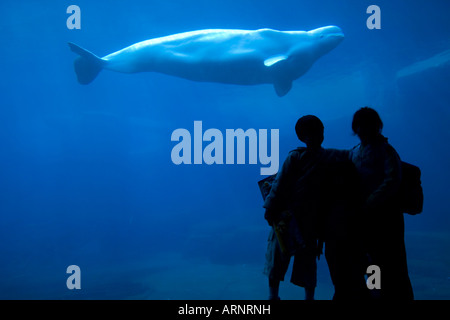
(367, 124)
(309, 130)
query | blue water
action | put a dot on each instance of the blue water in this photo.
(86, 175)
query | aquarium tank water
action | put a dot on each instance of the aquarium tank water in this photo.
(133, 185)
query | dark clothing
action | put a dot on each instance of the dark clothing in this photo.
(293, 190)
(299, 187)
(342, 232)
(320, 187)
(379, 168)
(304, 270)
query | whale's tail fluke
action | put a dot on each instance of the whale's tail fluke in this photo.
(87, 65)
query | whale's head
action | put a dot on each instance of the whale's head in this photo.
(326, 38)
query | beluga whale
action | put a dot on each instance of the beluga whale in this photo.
(241, 57)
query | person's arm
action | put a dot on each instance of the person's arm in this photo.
(277, 200)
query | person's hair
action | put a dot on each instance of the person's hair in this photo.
(308, 126)
(366, 121)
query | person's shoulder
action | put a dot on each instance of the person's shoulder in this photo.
(390, 150)
(338, 154)
(297, 152)
(354, 150)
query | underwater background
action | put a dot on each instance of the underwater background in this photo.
(86, 176)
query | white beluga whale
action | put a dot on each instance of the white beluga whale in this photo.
(242, 57)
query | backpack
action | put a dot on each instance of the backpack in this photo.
(409, 197)
(410, 194)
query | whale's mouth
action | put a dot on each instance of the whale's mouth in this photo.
(329, 36)
(337, 36)
(334, 35)
(333, 31)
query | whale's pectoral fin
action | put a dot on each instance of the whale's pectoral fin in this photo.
(274, 60)
(87, 65)
(277, 63)
(282, 87)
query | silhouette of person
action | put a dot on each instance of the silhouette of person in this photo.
(304, 186)
(340, 228)
(379, 168)
(309, 129)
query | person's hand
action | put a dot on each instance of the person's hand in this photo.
(270, 216)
